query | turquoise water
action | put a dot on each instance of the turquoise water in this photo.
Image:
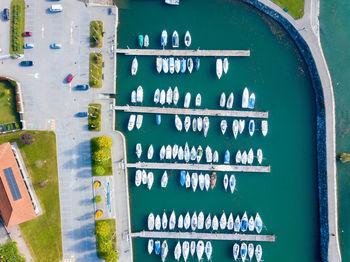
(286, 198)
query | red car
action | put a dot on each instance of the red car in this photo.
(70, 78)
(27, 34)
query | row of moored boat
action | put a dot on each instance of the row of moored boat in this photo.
(143, 40)
(177, 65)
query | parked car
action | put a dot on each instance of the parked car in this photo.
(27, 34)
(70, 78)
(82, 87)
(56, 8)
(82, 114)
(6, 14)
(55, 46)
(26, 63)
(28, 46)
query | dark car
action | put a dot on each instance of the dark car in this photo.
(27, 34)
(70, 78)
(82, 87)
(6, 14)
(27, 63)
(82, 114)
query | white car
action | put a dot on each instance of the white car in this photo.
(28, 46)
(55, 46)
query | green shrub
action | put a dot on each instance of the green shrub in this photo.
(100, 170)
(98, 199)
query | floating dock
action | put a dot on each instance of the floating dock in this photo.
(177, 52)
(190, 111)
(202, 167)
(205, 236)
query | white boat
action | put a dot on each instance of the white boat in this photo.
(193, 247)
(150, 246)
(171, 65)
(150, 221)
(208, 154)
(131, 122)
(205, 125)
(188, 180)
(168, 152)
(250, 251)
(201, 181)
(194, 181)
(259, 155)
(219, 67)
(187, 153)
(138, 176)
(227, 157)
(183, 65)
(134, 66)
(198, 101)
(245, 98)
(250, 156)
(187, 221)
(235, 251)
(230, 222)
(162, 97)
(175, 95)
(164, 38)
(172, 2)
(150, 179)
(208, 249)
(187, 123)
(244, 222)
(172, 220)
(237, 224)
(194, 221)
(223, 221)
(229, 103)
(264, 127)
(175, 39)
(162, 153)
(194, 124)
(180, 222)
(215, 223)
(244, 158)
(185, 249)
(189, 64)
(177, 251)
(164, 251)
(232, 183)
(164, 180)
(199, 124)
(225, 181)
(187, 39)
(180, 154)
(258, 252)
(169, 96)
(241, 126)
(159, 64)
(146, 41)
(223, 126)
(251, 127)
(133, 97)
(251, 102)
(178, 123)
(200, 249)
(164, 221)
(235, 125)
(222, 100)
(177, 65)
(193, 153)
(251, 224)
(199, 153)
(208, 222)
(157, 223)
(139, 120)
(200, 225)
(165, 65)
(156, 96)
(187, 100)
(215, 157)
(138, 150)
(144, 177)
(139, 94)
(225, 65)
(175, 151)
(238, 157)
(243, 251)
(206, 181)
(258, 223)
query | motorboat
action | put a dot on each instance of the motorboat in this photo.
(172, 220)
(157, 223)
(150, 221)
(194, 221)
(158, 119)
(244, 158)
(131, 122)
(258, 252)
(164, 251)
(187, 100)
(205, 125)
(251, 224)
(144, 177)
(164, 221)
(159, 64)
(187, 221)
(200, 224)
(177, 251)
(194, 124)
(199, 153)
(138, 150)
(245, 98)
(198, 100)
(187, 123)
(223, 221)
(165, 65)
(156, 96)
(168, 152)
(225, 65)
(232, 183)
(237, 224)
(222, 100)
(138, 175)
(197, 63)
(193, 248)
(172, 2)
(139, 94)
(185, 249)
(243, 251)
(139, 120)
(175, 39)
(175, 151)
(162, 97)
(200, 249)
(219, 67)
(193, 154)
(188, 180)
(187, 39)
(157, 247)
(180, 222)
(194, 181)
(235, 251)
(134, 66)
(223, 126)
(250, 156)
(150, 246)
(164, 38)
(187, 153)
(229, 103)
(238, 157)
(207, 181)
(199, 123)
(164, 180)
(264, 127)
(150, 179)
(162, 153)
(251, 102)
(212, 180)
(182, 177)
(250, 251)
(133, 97)
(189, 64)
(215, 223)
(258, 223)
(180, 154)
(251, 127)
(183, 65)
(175, 95)
(208, 249)
(244, 222)
(241, 125)
(230, 222)
(235, 126)
(225, 181)
(171, 65)
(208, 154)
(178, 123)
(227, 157)
(140, 40)
(177, 65)
(146, 41)
(208, 222)
(169, 96)
(201, 181)
(215, 157)
(259, 155)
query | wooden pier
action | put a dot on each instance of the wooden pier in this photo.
(190, 111)
(201, 167)
(178, 52)
(205, 236)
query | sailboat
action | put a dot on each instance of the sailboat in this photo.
(230, 222)
(164, 221)
(241, 125)
(244, 158)
(201, 181)
(183, 65)
(187, 153)
(200, 224)
(199, 123)
(250, 156)
(146, 41)
(134, 66)
(259, 155)
(219, 68)
(164, 251)
(225, 181)
(215, 223)
(250, 251)
(178, 123)
(150, 246)
(175, 95)
(235, 251)
(243, 251)
(133, 97)
(251, 224)
(208, 222)
(198, 100)
(175, 39)
(251, 127)
(177, 65)
(187, 123)
(227, 157)
(194, 124)
(139, 120)
(185, 249)
(187, 221)
(258, 252)
(194, 221)
(193, 154)
(164, 180)
(197, 63)
(223, 221)
(171, 65)
(232, 183)
(168, 152)
(139, 94)
(157, 223)
(222, 100)
(175, 151)
(208, 249)
(138, 150)
(238, 157)
(258, 223)
(157, 247)
(162, 153)
(138, 175)
(215, 157)
(187, 39)
(223, 126)
(188, 180)
(251, 102)
(208, 154)
(180, 154)
(237, 224)
(164, 38)
(150, 179)
(187, 100)
(180, 222)
(264, 127)
(199, 154)
(189, 64)
(193, 248)
(235, 126)
(207, 181)
(165, 65)
(162, 97)
(172, 220)
(230, 101)
(194, 181)
(244, 222)
(245, 98)
(131, 122)
(200, 249)
(177, 251)
(212, 180)
(159, 64)
(225, 65)
(205, 125)
(140, 40)
(156, 96)
(169, 96)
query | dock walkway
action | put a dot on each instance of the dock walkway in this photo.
(190, 111)
(205, 236)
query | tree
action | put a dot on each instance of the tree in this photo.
(99, 170)
(27, 139)
(9, 252)
(101, 155)
(102, 228)
(98, 199)
(104, 141)
(344, 157)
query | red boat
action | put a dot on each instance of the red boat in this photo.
(213, 180)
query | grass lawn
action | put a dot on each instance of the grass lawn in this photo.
(95, 117)
(96, 35)
(110, 238)
(17, 17)
(43, 234)
(8, 109)
(107, 164)
(295, 7)
(95, 74)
